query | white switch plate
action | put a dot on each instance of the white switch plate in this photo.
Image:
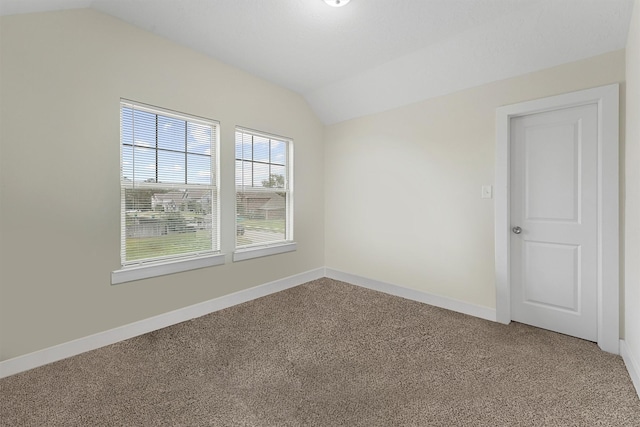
(487, 191)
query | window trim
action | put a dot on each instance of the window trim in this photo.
(275, 247)
(264, 250)
(136, 270)
(155, 269)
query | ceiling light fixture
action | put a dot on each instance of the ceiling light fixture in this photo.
(336, 3)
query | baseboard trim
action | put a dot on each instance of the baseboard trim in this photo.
(631, 362)
(414, 295)
(112, 336)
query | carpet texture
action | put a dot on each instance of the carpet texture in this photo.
(327, 353)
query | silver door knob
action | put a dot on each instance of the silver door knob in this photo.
(516, 230)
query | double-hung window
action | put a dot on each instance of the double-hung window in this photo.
(169, 196)
(264, 196)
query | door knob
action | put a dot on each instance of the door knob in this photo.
(516, 230)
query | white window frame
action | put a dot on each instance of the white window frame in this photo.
(136, 270)
(257, 250)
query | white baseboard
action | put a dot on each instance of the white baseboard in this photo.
(412, 294)
(112, 336)
(631, 362)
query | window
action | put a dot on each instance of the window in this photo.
(169, 198)
(263, 192)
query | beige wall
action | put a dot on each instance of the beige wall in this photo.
(632, 189)
(402, 188)
(61, 80)
(398, 192)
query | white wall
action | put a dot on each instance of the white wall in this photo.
(403, 187)
(62, 76)
(632, 192)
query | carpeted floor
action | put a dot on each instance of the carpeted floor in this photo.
(330, 354)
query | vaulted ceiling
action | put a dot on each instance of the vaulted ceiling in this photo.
(374, 55)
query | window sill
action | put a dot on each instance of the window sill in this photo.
(257, 252)
(129, 274)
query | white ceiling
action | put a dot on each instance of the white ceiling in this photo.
(374, 55)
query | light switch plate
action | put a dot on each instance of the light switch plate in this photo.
(487, 192)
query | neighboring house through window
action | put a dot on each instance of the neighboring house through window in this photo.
(264, 195)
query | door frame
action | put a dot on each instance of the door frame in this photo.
(608, 264)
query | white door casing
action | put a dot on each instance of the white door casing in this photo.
(554, 191)
(605, 99)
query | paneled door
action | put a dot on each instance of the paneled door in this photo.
(554, 223)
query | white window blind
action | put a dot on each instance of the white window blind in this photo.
(169, 198)
(263, 189)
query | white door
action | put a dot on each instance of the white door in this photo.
(554, 208)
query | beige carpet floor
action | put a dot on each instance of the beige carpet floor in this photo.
(330, 354)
